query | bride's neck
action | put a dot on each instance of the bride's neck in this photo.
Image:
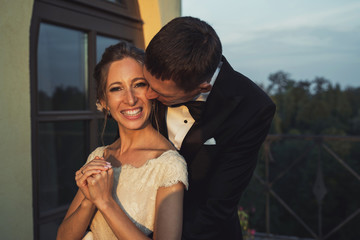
(133, 139)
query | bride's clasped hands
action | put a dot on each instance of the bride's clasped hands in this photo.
(95, 180)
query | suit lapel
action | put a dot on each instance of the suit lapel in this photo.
(217, 109)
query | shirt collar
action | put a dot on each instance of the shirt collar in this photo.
(203, 96)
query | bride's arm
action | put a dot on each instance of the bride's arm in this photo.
(169, 212)
(77, 218)
(168, 209)
(81, 209)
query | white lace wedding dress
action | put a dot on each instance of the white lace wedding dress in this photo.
(135, 190)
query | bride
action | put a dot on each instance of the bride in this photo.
(133, 188)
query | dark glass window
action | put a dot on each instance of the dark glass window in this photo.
(67, 39)
(102, 43)
(62, 68)
(61, 154)
(110, 134)
(48, 230)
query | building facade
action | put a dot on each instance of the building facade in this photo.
(49, 123)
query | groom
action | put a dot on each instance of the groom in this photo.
(219, 129)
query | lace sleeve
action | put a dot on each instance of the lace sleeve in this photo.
(98, 152)
(174, 170)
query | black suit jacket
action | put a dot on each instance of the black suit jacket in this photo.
(237, 115)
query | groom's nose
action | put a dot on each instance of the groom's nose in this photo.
(151, 94)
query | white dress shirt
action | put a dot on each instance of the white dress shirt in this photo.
(179, 120)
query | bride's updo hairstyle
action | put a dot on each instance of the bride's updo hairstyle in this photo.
(113, 53)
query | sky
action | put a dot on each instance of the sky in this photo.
(304, 38)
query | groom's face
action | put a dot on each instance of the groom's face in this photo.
(166, 91)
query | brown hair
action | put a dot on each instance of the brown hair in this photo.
(187, 50)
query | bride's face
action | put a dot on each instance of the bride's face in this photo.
(125, 93)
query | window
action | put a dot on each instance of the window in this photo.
(62, 68)
(67, 40)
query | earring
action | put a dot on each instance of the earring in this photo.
(108, 112)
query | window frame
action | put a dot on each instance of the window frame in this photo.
(94, 17)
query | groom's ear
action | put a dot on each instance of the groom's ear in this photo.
(205, 87)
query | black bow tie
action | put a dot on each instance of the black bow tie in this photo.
(195, 108)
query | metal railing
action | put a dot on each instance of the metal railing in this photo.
(321, 144)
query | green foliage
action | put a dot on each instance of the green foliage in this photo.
(313, 107)
(305, 107)
(247, 232)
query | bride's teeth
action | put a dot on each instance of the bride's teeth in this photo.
(132, 112)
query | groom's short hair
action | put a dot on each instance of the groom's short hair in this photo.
(186, 50)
